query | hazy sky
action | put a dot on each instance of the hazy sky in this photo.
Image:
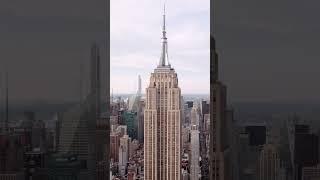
(43, 42)
(269, 50)
(136, 42)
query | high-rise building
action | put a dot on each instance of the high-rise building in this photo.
(134, 100)
(311, 173)
(194, 143)
(195, 155)
(130, 119)
(102, 132)
(140, 117)
(38, 135)
(195, 116)
(78, 125)
(11, 157)
(103, 170)
(269, 163)
(218, 129)
(204, 110)
(114, 146)
(248, 157)
(133, 146)
(123, 153)
(306, 151)
(102, 147)
(206, 120)
(219, 157)
(257, 135)
(162, 121)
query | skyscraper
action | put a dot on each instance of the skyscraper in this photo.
(218, 125)
(194, 136)
(195, 154)
(79, 124)
(135, 99)
(162, 121)
(269, 163)
(194, 116)
(114, 145)
(123, 153)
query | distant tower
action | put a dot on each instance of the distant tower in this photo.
(140, 109)
(139, 86)
(134, 99)
(162, 121)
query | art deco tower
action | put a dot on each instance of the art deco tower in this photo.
(162, 121)
(219, 147)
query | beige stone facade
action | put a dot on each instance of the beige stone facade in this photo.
(162, 126)
(162, 121)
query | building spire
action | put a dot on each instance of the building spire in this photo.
(164, 51)
(164, 18)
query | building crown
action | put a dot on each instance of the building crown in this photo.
(164, 58)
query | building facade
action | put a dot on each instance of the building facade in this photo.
(269, 163)
(78, 129)
(124, 153)
(162, 121)
(219, 142)
(194, 162)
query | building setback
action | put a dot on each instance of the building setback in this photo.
(162, 121)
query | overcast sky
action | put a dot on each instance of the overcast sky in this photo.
(43, 42)
(269, 49)
(136, 42)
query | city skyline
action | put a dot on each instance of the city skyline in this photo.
(136, 39)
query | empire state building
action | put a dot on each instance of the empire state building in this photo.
(162, 121)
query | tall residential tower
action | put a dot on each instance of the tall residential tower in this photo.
(162, 121)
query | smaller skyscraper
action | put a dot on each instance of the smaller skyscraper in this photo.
(195, 116)
(194, 163)
(123, 154)
(140, 118)
(11, 158)
(130, 119)
(39, 135)
(114, 146)
(257, 135)
(269, 163)
(78, 128)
